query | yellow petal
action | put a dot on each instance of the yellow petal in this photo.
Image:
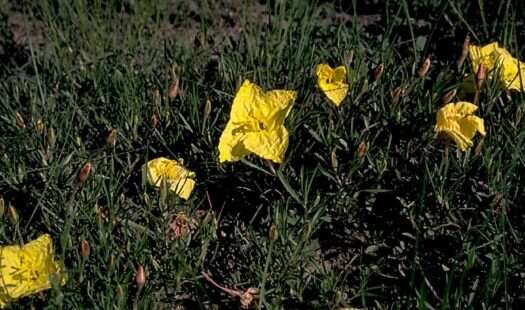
(463, 108)
(461, 141)
(26, 270)
(269, 145)
(255, 114)
(456, 121)
(471, 124)
(483, 55)
(180, 180)
(332, 82)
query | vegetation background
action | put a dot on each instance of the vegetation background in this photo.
(402, 222)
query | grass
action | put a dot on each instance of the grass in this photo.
(405, 222)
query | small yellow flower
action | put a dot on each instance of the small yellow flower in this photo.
(256, 124)
(179, 179)
(332, 82)
(26, 270)
(456, 120)
(510, 70)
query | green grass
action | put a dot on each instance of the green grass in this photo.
(411, 224)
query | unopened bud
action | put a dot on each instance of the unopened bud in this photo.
(13, 215)
(39, 126)
(361, 149)
(480, 76)
(174, 89)
(84, 172)
(464, 51)
(448, 96)
(378, 72)
(20, 120)
(349, 58)
(207, 109)
(423, 69)
(140, 277)
(111, 138)
(397, 94)
(51, 137)
(154, 121)
(2, 206)
(334, 161)
(84, 248)
(273, 233)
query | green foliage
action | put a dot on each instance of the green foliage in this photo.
(409, 223)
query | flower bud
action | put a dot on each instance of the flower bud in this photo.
(378, 72)
(174, 89)
(464, 51)
(154, 121)
(140, 277)
(273, 233)
(84, 248)
(447, 97)
(2, 206)
(111, 138)
(20, 120)
(335, 162)
(51, 137)
(207, 109)
(13, 215)
(423, 69)
(361, 149)
(397, 94)
(39, 126)
(84, 172)
(480, 76)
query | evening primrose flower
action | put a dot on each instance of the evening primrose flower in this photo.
(179, 179)
(256, 124)
(26, 270)
(456, 121)
(332, 82)
(498, 61)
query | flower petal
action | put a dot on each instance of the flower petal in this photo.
(180, 180)
(27, 270)
(332, 82)
(231, 147)
(470, 125)
(268, 144)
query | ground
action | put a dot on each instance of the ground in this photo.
(370, 209)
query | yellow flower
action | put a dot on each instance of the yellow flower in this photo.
(256, 124)
(332, 82)
(499, 60)
(456, 120)
(179, 179)
(26, 270)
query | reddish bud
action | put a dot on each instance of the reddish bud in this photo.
(480, 76)
(464, 51)
(84, 172)
(423, 69)
(140, 277)
(84, 248)
(154, 121)
(361, 149)
(378, 72)
(174, 89)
